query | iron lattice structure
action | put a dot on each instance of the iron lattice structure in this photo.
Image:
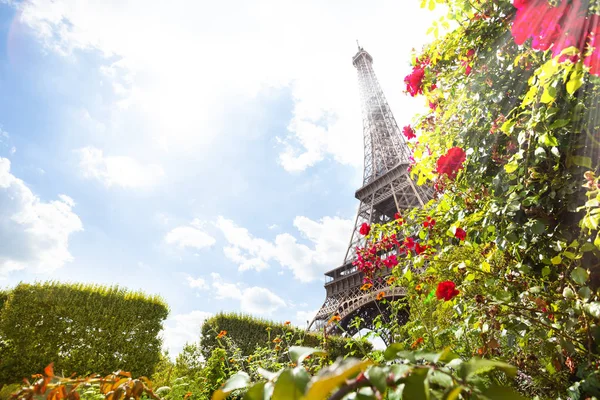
(387, 188)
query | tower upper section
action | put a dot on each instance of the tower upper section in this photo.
(384, 145)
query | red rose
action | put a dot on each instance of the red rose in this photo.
(397, 216)
(365, 229)
(408, 132)
(420, 248)
(528, 19)
(451, 162)
(549, 29)
(520, 3)
(391, 261)
(593, 59)
(446, 290)
(414, 81)
(429, 222)
(460, 233)
(409, 243)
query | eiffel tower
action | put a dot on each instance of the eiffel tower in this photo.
(387, 188)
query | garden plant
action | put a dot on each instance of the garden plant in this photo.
(501, 267)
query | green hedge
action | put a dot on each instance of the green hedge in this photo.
(81, 328)
(249, 332)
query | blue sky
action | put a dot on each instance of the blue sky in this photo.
(205, 152)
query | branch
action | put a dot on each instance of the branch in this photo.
(351, 386)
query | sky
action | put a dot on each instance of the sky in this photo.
(207, 152)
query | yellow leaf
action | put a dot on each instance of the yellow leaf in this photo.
(485, 267)
(556, 260)
(329, 379)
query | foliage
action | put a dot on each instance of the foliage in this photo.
(191, 376)
(164, 371)
(511, 145)
(73, 325)
(7, 390)
(114, 386)
(410, 376)
(504, 262)
(247, 333)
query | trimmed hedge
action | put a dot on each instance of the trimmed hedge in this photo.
(81, 328)
(249, 332)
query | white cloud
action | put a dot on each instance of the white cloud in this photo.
(240, 48)
(225, 290)
(259, 300)
(183, 328)
(253, 300)
(189, 236)
(196, 283)
(328, 243)
(118, 170)
(33, 234)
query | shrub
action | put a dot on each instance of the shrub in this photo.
(248, 332)
(81, 328)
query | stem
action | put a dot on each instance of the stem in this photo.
(351, 386)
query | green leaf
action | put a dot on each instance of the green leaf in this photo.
(378, 378)
(453, 393)
(568, 293)
(446, 356)
(299, 353)
(591, 222)
(576, 79)
(507, 126)
(559, 123)
(593, 309)
(502, 393)
(440, 379)
(548, 139)
(256, 392)
(584, 292)
(291, 384)
(579, 275)
(582, 161)
(545, 271)
(416, 386)
(476, 366)
(538, 227)
(333, 376)
(392, 352)
(238, 381)
(549, 95)
(530, 96)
